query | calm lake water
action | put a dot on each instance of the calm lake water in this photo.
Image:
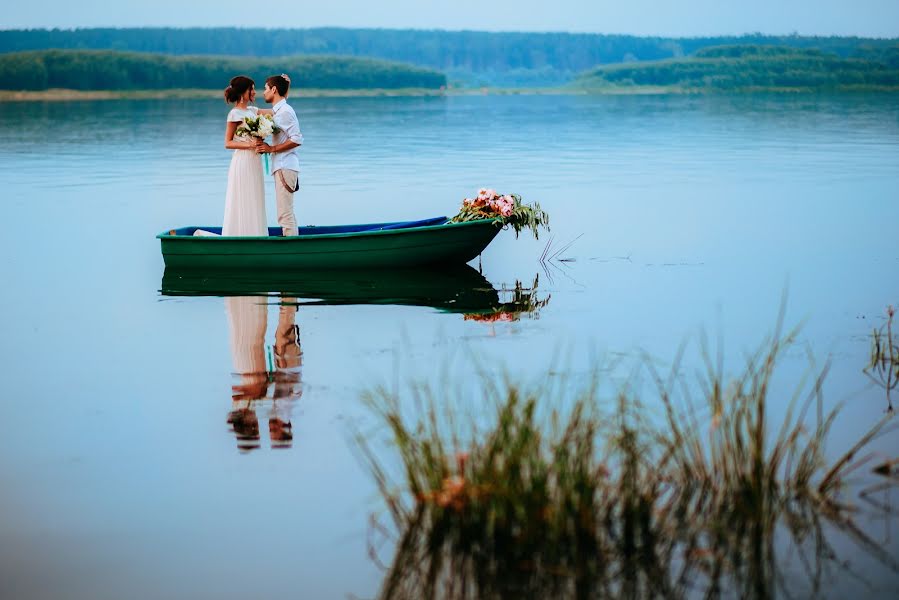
(121, 476)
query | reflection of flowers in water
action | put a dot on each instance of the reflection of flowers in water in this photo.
(515, 303)
(491, 317)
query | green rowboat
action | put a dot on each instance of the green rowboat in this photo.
(370, 245)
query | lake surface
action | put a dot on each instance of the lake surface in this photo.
(121, 475)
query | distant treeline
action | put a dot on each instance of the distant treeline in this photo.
(747, 67)
(111, 70)
(472, 57)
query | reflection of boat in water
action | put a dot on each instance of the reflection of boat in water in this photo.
(450, 288)
(456, 288)
(268, 377)
(369, 245)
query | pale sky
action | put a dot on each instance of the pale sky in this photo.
(874, 18)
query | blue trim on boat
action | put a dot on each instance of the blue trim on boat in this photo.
(312, 230)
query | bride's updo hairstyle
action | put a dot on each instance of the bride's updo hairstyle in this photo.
(238, 87)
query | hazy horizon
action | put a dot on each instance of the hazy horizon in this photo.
(455, 30)
(682, 18)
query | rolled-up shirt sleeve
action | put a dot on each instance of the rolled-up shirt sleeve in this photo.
(287, 121)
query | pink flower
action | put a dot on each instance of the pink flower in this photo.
(486, 194)
(502, 205)
(491, 202)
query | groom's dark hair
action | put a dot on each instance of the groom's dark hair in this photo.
(280, 83)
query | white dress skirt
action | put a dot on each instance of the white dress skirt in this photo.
(245, 196)
(247, 316)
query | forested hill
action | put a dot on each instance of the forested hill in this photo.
(741, 68)
(472, 57)
(112, 70)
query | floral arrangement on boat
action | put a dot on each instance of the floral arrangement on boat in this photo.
(507, 209)
(260, 126)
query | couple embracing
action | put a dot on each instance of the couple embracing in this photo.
(245, 197)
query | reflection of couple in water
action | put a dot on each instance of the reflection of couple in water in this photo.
(256, 369)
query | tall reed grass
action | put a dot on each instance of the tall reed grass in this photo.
(551, 491)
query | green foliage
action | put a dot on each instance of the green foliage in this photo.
(748, 50)
(27, 72)
(748, 67)
(112, 70)
(888, 56)
(470, 57)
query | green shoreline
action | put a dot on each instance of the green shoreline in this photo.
(64, 95)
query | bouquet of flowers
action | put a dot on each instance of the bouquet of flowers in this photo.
(505, 209)
(260, 126)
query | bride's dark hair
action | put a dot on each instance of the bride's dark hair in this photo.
(238, 87)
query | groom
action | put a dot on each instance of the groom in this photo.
(285, 162)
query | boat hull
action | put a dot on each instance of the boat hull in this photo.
(380, 245)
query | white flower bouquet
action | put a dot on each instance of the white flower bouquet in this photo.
(260, 126)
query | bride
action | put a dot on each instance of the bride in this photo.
(245, 197)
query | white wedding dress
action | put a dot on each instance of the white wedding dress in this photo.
(247, 322)
(245, 197)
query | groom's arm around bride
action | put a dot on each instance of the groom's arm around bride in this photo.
(285, 161)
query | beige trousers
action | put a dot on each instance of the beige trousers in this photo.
(284, 200)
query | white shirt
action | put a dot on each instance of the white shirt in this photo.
(286, 120)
